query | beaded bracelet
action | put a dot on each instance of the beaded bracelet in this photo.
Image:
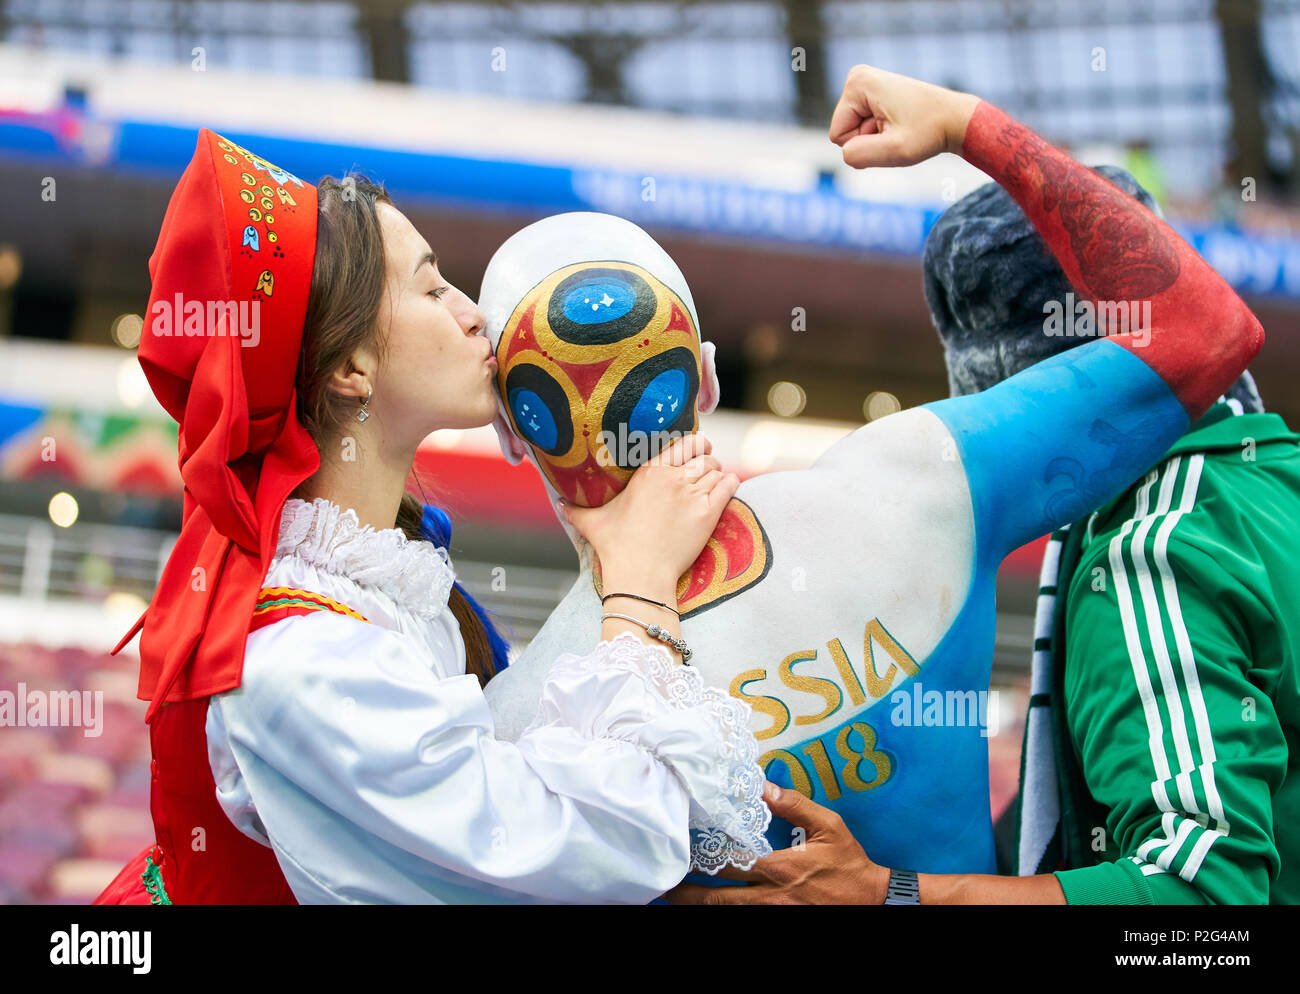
(654, 631)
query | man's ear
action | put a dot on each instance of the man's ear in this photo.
(709, 393)
(512, 446)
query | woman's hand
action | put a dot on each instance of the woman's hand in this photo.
(884, 119)
(654, 530)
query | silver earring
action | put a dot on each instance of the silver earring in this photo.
(363, 413)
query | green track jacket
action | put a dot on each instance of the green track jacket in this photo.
(1181, 681)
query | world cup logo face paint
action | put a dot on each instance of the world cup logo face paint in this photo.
(599, 367)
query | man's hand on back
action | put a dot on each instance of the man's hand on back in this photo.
(827, 867)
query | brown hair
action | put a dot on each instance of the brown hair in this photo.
(347, 283)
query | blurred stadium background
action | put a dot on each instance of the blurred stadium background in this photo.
(704, 122)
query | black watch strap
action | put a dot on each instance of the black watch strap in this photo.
(903, 888)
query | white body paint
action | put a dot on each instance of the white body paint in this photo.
(879, 527)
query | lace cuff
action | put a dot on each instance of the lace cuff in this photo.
(699, 732)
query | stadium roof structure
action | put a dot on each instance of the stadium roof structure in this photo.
(762, 219)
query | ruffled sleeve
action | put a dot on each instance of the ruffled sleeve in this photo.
(376, 779)
(628, 691)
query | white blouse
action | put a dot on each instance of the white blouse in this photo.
(365, 755)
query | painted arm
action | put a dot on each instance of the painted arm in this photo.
(1113, 249)
(1065, 436)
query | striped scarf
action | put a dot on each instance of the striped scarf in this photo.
(1038, 842)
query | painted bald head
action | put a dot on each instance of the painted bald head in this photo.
(600, 362)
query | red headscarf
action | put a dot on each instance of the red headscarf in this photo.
(231, 274)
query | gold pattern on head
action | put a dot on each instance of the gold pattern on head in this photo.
(594, 353)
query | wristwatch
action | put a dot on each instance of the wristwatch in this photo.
(903, 888)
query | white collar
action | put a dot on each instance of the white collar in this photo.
(416, 574)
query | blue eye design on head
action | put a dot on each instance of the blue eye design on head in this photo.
(600, 306)
(596, 300)
(661, 402)
(534, 418)
(540, 409)
(654, 397)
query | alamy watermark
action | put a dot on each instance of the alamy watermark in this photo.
(1083, 318)
(93, 947)
(24, 708)
(916, 707)
(633, 448)
(220, 318)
